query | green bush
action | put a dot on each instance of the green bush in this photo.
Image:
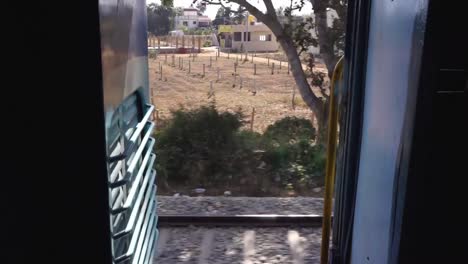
(196, 145)
(206, 148)
(197, 31)
(292, 154)
(290, 128)
(152, 54)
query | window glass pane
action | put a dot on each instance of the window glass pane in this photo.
(237, 36)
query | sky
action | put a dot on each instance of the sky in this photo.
(212, 9)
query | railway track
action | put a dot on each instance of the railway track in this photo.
(244, 239)
(240, 220)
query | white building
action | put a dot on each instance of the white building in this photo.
(191, 20)
(251, 36)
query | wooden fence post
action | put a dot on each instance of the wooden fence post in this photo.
(199, 44)
(252, 119)
(293, 101)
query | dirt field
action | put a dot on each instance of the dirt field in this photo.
(270, 95)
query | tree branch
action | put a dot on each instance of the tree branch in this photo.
(324, 34)
(323, 92)
(220, 3)
(252, 9)
(270, 8)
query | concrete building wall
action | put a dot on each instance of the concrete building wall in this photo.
(255, 44)
(190, 13)
(261, 38)
(258, 46)
(191, 22)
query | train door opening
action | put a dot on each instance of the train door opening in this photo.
(240, 155)
(387, 64)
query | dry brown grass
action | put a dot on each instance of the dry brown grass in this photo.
(271, 96)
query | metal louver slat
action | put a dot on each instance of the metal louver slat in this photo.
(131, 222)
(148, 245)
(142, 146)
(141, 225)
(135, 158)
(136, 133)
(132, 188)
(150, 250)
(153, 245)
(129, 172)
(144, 235)
(116, 171)
(135, 187)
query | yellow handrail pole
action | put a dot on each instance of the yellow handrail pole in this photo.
(330, 164)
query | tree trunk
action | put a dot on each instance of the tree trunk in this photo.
(313, 102)
(316, 104)
(325, 43)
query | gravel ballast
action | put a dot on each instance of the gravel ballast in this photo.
(192, 245)
(216, 205)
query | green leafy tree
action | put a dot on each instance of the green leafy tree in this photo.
(159, 19)
(239, 16)
(167, 3)
(223, 16)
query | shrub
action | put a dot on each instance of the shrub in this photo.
(290, 150)
(207, 43)
(199, 147)
(152, 54)
(197, 31)
(290, 128)
(206, 148)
